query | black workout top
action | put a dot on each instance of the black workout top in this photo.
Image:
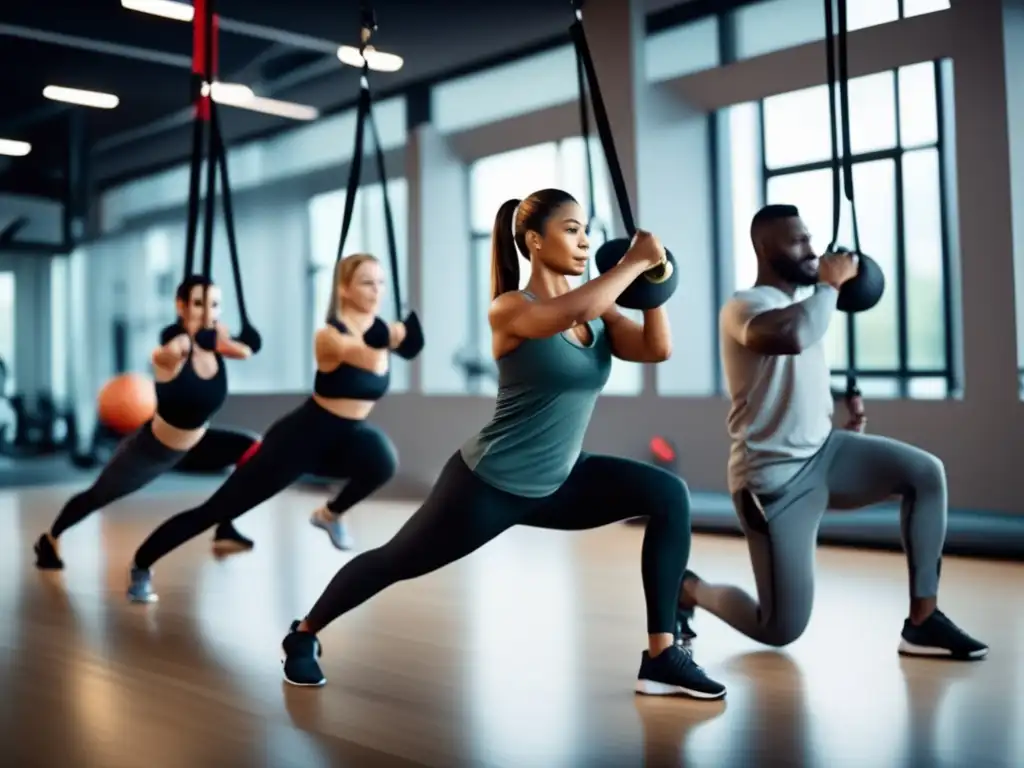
(350, 382)
(188, 401)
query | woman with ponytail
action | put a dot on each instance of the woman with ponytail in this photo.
(327, 435)
(553, 346)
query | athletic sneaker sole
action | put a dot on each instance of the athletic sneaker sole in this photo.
(323, 680)
(909, 649)
(652, 688)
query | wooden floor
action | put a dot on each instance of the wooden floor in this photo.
(522, 655)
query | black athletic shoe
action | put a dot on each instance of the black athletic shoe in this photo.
(939, 637)
(47, 558)
(673, 672)
(300, 653)
(684, 630)
(227, 539)
(684, 616)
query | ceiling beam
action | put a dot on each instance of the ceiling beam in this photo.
(97, 46)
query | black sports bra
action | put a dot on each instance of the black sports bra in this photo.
(350, 382)
(188, 401)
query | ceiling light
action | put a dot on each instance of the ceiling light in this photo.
(168, 9)
(375, 60)
(288, 109)
(228, 93)
(242, 97)
(13, 148)
(80, 97)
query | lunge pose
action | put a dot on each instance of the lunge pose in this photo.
(327, 435)
(788, 464)
(191, 386)
(553, 348)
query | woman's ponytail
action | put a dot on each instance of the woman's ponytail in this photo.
(504, 253)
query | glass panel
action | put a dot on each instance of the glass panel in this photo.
(7, 335)
(921, 7)
(872, 112)
(796, 129)
(922, 219)
(325, 214)
(887, 386)
(919, 120)
(744, 177)
(495, 179)
(928, 388)
(877, 329)
(60, 297)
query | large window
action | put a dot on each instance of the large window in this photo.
(368, 233)
(780, 153)
(7, 329)
(515, 174)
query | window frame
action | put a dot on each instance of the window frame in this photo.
(903, 374)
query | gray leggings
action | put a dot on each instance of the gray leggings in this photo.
(849, 472)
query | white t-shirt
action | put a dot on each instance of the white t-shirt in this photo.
(782, 405)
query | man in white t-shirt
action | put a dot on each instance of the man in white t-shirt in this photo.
(787, 464)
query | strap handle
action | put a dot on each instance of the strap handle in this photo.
(604, 130)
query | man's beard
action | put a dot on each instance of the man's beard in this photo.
(792, 271)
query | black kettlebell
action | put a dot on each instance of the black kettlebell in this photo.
(649, 291)
(865, 290)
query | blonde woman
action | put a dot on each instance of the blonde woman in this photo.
(327, 435)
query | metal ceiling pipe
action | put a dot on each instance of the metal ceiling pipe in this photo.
(97, 46)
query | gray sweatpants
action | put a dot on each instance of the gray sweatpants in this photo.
(849, 472)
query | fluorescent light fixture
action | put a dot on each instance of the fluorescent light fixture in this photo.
(242, 97)
(376, 60)
(80, 97)
(229, 93)
(168, 9)
(13, 148)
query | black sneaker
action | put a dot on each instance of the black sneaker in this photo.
(300, 652)
(227, 539)
(684, 630)
(47, 558)
(673, 672)
(939, 637)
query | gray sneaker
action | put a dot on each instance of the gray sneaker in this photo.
(333, 525)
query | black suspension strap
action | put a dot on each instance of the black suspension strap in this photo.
(206, 131)
(604, 129)
(364, 117)
(842, 163)
(592, 220)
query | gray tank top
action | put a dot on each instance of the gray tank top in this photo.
(547, 389)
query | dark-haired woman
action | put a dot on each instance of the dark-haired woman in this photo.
(327, 435)
(191, 385)
(553, 347)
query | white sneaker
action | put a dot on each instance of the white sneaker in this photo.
(332, 524)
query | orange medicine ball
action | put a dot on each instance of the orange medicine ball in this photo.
(126, 402)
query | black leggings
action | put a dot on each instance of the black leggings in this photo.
(309, 440)
(140, 459)
(462, 513)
